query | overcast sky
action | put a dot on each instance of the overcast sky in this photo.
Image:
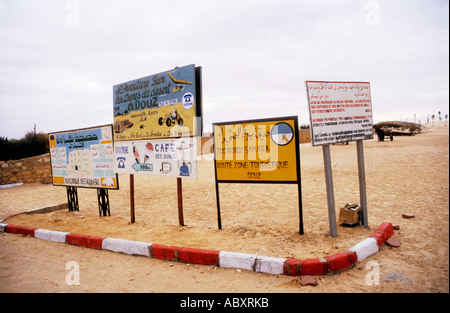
(60, 59)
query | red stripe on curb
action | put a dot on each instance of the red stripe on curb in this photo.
(85, 240)
(198, 256)
(341, 261)
(163, 252)
(13, 229)
(76, 239)
(94, 242)
(383, 233)
(27, 231)
(379, 237)
(16, 229)
(387, 229)
(292, 267)
(317, 266)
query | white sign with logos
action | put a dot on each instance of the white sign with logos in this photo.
(158, 157)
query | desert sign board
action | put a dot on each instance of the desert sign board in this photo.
(161, 105)
(339, 111)
(83, 158)
(158, 157)
(257, 151)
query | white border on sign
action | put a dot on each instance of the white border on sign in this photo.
(339, 111)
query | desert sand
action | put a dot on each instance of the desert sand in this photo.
(407, 175)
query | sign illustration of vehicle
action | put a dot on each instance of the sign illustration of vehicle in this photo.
(171, 118)
(120, 126)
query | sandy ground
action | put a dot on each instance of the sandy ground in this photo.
(407, 175)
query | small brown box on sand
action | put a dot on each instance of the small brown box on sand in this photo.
(349, 214)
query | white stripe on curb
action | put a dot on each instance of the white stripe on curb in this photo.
(51, 235)
(2, 227)
(270, 265)
(365, 248)
(229, 259)
(10, 185)
(126, 246)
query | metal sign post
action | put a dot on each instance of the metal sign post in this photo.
(299, 184)
(219, 218)
(330, 190)
(362, 183)
(180, 201)
(132, 198)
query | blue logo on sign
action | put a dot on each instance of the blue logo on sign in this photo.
(121, 162)
(188, 100)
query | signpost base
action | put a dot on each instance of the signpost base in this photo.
(103, 202)
(72, 199)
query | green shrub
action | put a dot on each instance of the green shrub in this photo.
(30, 145)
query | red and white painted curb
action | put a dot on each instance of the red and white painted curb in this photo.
(226, 259)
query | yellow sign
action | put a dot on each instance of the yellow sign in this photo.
(257, 150)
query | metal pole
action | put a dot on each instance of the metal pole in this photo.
(362, 183)
(180, 202)
(300, 207)
(299, 179)
(132, 197)
(330, 191)
(219, 219)
(69, 200)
